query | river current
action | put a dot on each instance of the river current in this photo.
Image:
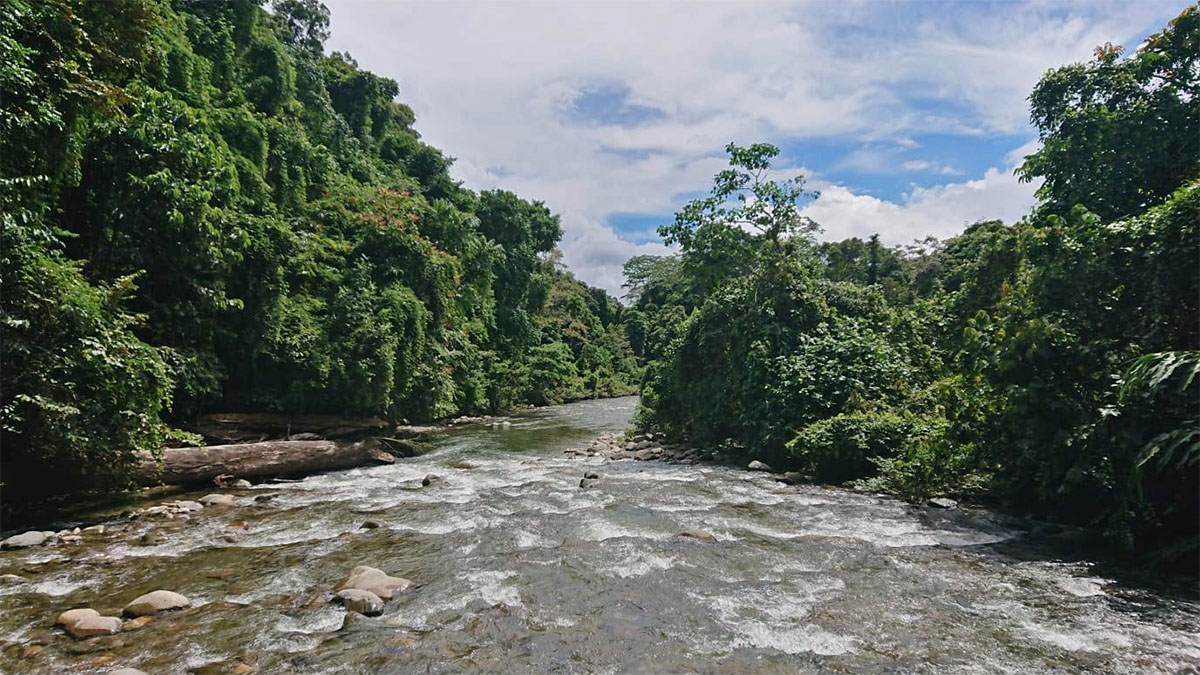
(518, 569)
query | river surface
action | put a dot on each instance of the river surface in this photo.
(518, 569)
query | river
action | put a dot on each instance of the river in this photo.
(518, 569)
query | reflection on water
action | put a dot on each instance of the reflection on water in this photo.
(519, 570)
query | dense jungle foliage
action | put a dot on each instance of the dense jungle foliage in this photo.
(204, 211)
(1048, 366)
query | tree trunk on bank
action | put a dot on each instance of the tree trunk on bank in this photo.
(248, 460)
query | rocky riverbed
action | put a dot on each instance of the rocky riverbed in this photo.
(545, 545)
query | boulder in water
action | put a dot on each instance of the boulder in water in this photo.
(943, 503)
(217, 500)
(587, 482)
(91, 626)
(699, 535)
(26, 540)
(758, 466)
(6, 579)
(430, 479)
(374, 580)
(69, 617)
(127, 671)
(592, 475)
(790, 477)
(155, 602)
(358, 600)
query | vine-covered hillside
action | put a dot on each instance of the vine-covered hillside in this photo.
(204, 211)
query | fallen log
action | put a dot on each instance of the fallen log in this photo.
(219, 428)
(248, 460)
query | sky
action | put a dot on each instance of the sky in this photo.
(908, 117)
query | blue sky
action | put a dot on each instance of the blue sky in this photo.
(908, 117)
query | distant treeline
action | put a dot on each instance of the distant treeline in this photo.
(204, 211)
(1047, 366)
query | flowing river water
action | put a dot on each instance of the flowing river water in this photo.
(518, 569)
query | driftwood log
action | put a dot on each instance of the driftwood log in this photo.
(248, 460)
(220, 428)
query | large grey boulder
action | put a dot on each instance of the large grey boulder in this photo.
(25, 540)
(374, 580)
(218, 500)
(758, 466)
(154, 602)
(363, 602)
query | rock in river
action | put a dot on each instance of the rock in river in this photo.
(430, 479)
(363, 602)
(376, 581)
(91, 626)
(758, 466)
(155, 602)
(25, 540)
(699, 535)
(218, 500)
(71, 616)
(943, 503)
(790, 478)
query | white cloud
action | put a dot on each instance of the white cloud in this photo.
(941, 211)
(490, 81)
(926, 166)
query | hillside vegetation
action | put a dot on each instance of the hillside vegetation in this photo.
(1048, 366)
(204, 211)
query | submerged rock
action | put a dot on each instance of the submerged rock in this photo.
(6, 579)
(358, 600)
(430, 479)
(26, 540)
(699, 535)
(374, 580)
(758, 466)
(134, 624)
(943, 503)
(369, 525)
(587, 482)
(155, 602)
(790, 477)
(127, 671)
(592, 475)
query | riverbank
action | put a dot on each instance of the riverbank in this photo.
(517, 568)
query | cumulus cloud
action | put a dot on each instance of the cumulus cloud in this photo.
(622, 107)
(942, 211)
